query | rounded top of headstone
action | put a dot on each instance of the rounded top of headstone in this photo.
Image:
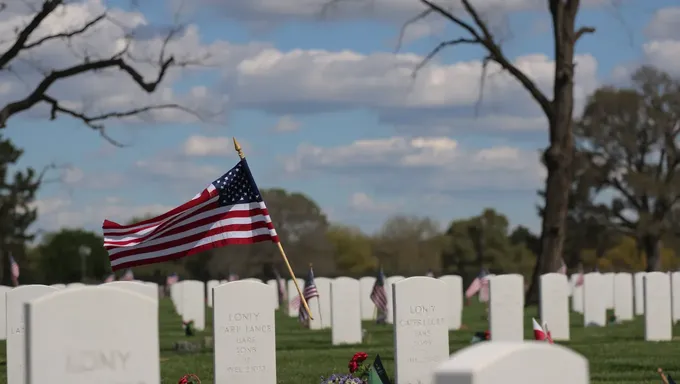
(239, 285)
(101, 294)
(527, 362)
(344, 278)
(418, 280)
(653, 274)
(450, 277)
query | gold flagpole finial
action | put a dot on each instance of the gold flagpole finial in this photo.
(238, 149)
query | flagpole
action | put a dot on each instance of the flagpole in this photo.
(239, 150)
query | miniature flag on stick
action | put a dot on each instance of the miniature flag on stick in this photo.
(539, 333)
(228, 211)
(14, 270)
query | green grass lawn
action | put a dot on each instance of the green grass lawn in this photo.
(617, 354)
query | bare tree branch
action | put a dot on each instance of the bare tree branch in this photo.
(582, 31)
(481, 34)
(407, 24)
(121, 60)
(66, 35)
(91, 121)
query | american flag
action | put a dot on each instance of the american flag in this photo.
(128, 275)
(308, 292)
(478, 284)
(14, 270)
(110, 278)
(228, 211)
(378, 294)
(171, 279)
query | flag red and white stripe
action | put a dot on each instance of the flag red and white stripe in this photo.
(539, 333)
(228, 211)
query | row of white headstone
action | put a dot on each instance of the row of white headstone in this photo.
(109, 333)
(342, 301)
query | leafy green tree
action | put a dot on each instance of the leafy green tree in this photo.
(353, 250)
(409, 245)
(61, 260)
(626, 256)
(483, 242)
(629, 140)
(17, 194)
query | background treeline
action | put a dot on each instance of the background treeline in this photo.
(622, 214)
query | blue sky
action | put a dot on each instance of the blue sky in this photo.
(322, 104)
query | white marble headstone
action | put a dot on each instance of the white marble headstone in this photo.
(16, 335)
(506, 307)
(177, 296)
(150, 291)
(367, 307)
(345, 311)
(209, 291)
(608, 289)
(639, 279)
(594, 300)
(658, 323)
(58, 286)
(292, 295)
(244, 333)
(110, 336)
(530, 362)
(275, 292)
(323, 308)
(454, 299)
(554, 296)
(623, 296)
(421, 330)
(675, 296)
(388, 292)
(3, 315)
(75, 285)
(193, 303)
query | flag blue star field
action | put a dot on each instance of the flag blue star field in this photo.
(229, 211)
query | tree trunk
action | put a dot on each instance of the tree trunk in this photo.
(652, 246)
(559, 155)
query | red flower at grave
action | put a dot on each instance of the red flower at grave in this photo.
(487, 335)
(353, 366)
(359, 357)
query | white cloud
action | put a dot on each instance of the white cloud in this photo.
(287, 124)
(665, 24)
(60, 212)
(364, 203)
(423, 164)
(663, 54)
(331, 81)
(275, 11)
(202, 146)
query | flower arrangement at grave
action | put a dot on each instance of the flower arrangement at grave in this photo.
(480, 336)
(189, 329)
(189, 379)
(360, 373)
